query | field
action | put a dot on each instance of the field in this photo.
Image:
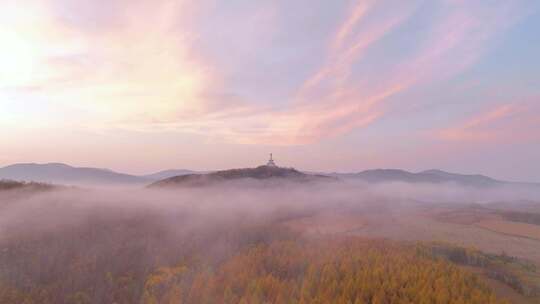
(469, 226)
(459, 225)
(511, 228)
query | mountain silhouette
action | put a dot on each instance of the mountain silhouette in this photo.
(58, 173)
(428, 176)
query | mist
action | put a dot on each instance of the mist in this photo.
(81, 237)
(238, 203)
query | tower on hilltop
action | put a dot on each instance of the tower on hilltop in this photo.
(271, 162)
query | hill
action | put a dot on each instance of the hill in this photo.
(58, 173)
(429, 176)
(261, 173)
(6, 185)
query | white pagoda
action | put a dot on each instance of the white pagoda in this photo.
(271, 162)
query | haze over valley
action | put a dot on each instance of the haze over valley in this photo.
(166, 232)
(269, 152)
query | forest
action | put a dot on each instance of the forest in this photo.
(256, 265)
(323, 271)
(77, 246)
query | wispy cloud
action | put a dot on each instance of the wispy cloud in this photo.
(359, 10)
(512, 122)
(330, 101)
(345, 48)
(145, 69)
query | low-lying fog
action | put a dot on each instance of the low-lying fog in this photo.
(73, 239)
(240, 203)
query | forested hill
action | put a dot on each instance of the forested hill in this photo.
(261, 173)
(6, 185)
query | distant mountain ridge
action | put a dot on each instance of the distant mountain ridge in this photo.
(64, 174)
(428, 176)
(59, 173)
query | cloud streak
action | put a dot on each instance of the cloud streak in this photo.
(140, 66)
(506, 123)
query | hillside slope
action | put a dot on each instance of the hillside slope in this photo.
(169, 173)
(58, 173)
(261, 173)
(6, 185)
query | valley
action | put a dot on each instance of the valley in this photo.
(163, 243)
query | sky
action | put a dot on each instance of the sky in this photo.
(139, 86)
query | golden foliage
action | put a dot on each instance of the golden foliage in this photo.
(351, 271)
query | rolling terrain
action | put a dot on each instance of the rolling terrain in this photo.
(59, 173)
(245, 245)
(64, 174)
(278, 228)
(433, 176)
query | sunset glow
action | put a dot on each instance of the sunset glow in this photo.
(326, 85)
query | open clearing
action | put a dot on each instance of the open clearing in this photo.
(511, 228)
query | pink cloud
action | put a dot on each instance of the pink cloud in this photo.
(359, 10)
(505, 123)
(330, 103)
(347, 46)
(148, 76)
